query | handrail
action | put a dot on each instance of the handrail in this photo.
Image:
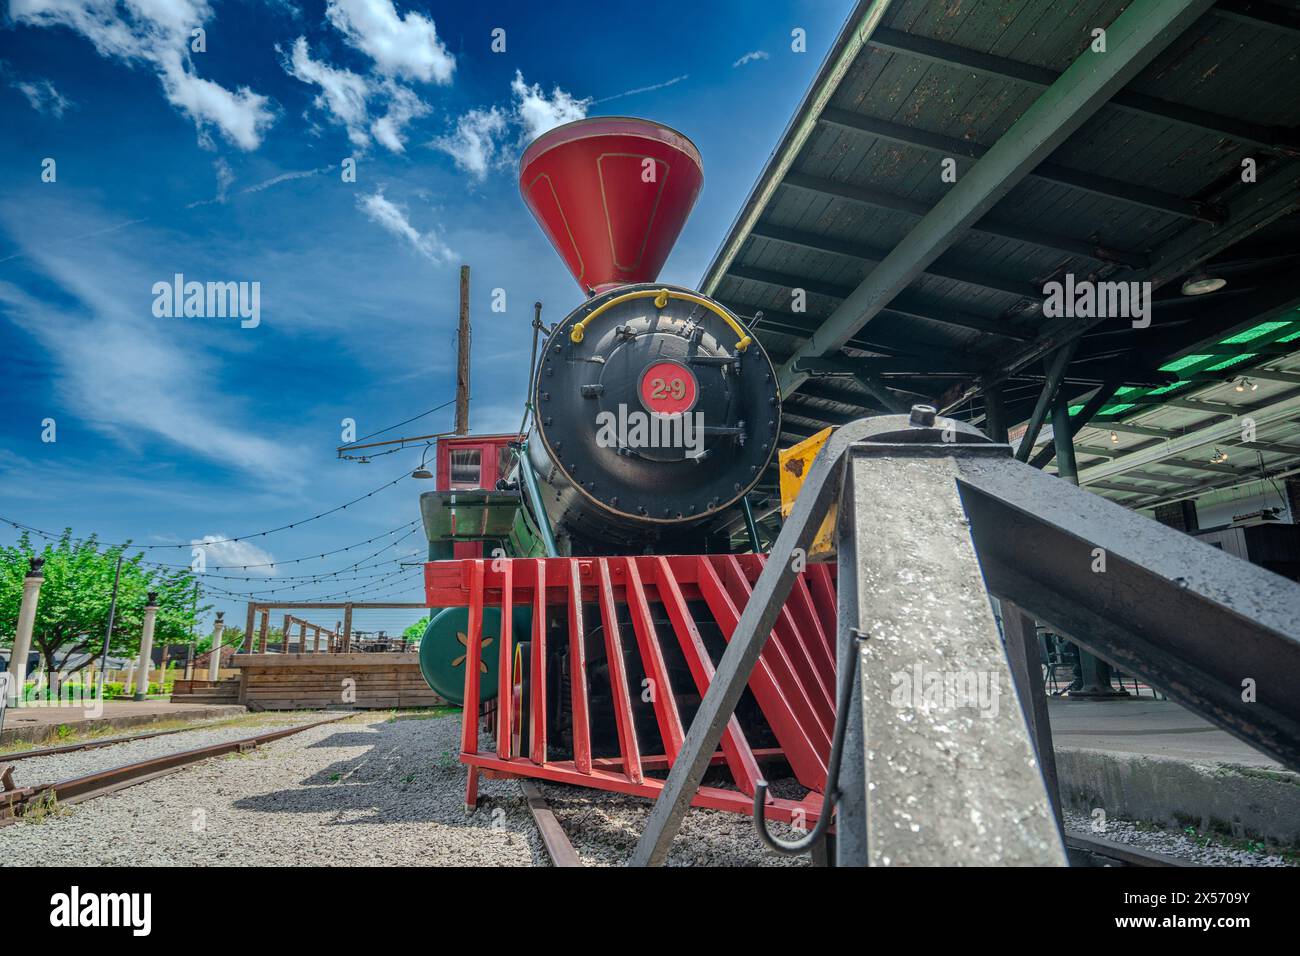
(661, 297)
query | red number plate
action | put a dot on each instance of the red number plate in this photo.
(668, 388)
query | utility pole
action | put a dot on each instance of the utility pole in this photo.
(462, 357)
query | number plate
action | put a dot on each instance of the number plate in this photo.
(668, 388)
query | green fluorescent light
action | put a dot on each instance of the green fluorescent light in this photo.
(1115, 409)
(1183, 362)
(1229, 362)
(1253, 333)
(1290, 338)
(1075, 409)
(1163, 389)
(1127, 389)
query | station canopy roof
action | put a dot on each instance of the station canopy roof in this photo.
(951, 159)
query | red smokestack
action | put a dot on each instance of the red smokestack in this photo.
(612, 195)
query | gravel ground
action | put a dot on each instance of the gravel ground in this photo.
(367, 791)
(80, 762)
(1173, 843)
(604, 828)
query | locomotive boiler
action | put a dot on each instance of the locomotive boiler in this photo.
(654, 409)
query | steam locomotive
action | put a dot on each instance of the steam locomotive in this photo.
(654, 410)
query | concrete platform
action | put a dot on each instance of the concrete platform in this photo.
(1156, 762)
(38, 724)
(1157, 728)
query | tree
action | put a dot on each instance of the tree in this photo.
(416, 630)
(72, 613)
(232, 636)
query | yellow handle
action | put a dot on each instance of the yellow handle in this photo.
(661, 297)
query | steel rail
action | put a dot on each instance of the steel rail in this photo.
(14, 803)
(1118, 852)
(556, 841)
(103, 742)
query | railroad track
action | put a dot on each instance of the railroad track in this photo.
(15, 801)
(97, 744)
(1084, 849)
(1109, 853)
(556, 841)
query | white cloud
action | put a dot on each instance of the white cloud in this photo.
(124, 379)
(645, 89)
(475, 143)
(537, 112)
(393, 218)
(751, 57)
(157, 32)
(44, 97)
(405, 46)
(284, 178)
(343, 93)
(347, 97)
(234, 554)
(403, 106)
(225, 176)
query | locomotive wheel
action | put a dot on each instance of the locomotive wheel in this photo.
(521, 701)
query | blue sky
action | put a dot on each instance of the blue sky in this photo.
(224, 165)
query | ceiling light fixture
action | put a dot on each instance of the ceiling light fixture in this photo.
(1199, 283)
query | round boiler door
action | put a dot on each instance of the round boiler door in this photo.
(668, 388)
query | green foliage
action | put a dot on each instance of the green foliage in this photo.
(416, 630)
(72, 613)
(232, 636)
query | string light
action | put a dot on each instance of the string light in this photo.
(242, 537)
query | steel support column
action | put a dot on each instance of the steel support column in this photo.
(1056, 367)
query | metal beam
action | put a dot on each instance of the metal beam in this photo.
(1277, 447)
(1206, 466)
(1094, 404)
(986, 64)
(1215, 484)
(1135, 38)
(1221, 431)
(1113, 189)
(905, 304)
(1268, 16)
(871, 382)
(1145, 430)
(1055, 372)
(1123, 489)
(1188, 618)
(988, 226)
(804, 325)
(1252, 207)
(1229, 375)
(978, 278)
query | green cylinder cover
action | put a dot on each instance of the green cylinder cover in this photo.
(443, 649)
